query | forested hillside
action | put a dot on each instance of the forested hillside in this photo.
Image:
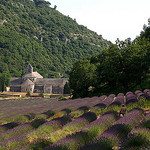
(124, 66)
(33, 32)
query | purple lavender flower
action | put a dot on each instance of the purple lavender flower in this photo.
(147, 116)
(2, 129)
(103, 121)
(146, 90)
(132, 118)
(148, 93)
(105, 102)
(137, 137)
(59, 122)
(116, 133)
(15, 131)
(130, 98)
(16, 142)
(87, 133)
(106, 141)
(65, 144)
(118, 100)
(141, 94)
(141, 131)
(137, 91)
(84, 119)
(120, 94)
(146, 121)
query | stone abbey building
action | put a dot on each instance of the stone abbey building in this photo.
(33, 82)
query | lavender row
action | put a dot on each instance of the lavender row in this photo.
(13, 138)
(84, 119)
(114, 135)
(118, 100)
(131, 98)
(147, 91)
(47, 128)
(132, 118)
(87, 133)
(146, 121)
(83, 109)
(7, 126)
(103, 121)
(84, 102)
(140, 94)
(16, 143)
(58, 122)
(105, 102)
(73, 127)
(38, 108)
(138, 137)
(48, 113)
(15, 131)
(50, 132)
(99, 108)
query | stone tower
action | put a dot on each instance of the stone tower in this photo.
(29, 69)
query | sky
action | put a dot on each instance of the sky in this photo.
(110, 18)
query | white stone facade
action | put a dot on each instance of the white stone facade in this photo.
(33, 82)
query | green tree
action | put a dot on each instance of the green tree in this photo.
(36, 33)
(67, 89)
(82, 76)
(120, 68)
(4, 80)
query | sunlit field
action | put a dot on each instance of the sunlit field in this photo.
(76, 124)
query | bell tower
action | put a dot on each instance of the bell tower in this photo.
(29, 69)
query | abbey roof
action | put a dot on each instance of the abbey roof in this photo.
(53, 81)
(27, 82)
(32, 75)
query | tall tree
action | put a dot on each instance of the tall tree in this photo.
(120, 68)
(4, 80)
(82, 76)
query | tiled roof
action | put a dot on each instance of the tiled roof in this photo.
(15, 81)
(27, 82)
(32, 75)
(53, 81)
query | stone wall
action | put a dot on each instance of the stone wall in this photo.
(15, 88)
(38, 89)
(57, 89)
(48, 89)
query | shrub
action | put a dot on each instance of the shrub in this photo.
(41, 94)
(37, 122)
(28, 94)
(49, 113)
(61, 98)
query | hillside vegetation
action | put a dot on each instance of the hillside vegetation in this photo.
(124, 66)
(33, 32)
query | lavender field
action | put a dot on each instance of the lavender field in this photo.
(76, 124)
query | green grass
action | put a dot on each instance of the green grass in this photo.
(42, 133)
(99, 111)
(137, 141)
(15, 144)
(79, 112)
(13, 133)
(142, 103)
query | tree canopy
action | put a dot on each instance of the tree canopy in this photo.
(4, 80)
(120, 68)
(33, 32)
